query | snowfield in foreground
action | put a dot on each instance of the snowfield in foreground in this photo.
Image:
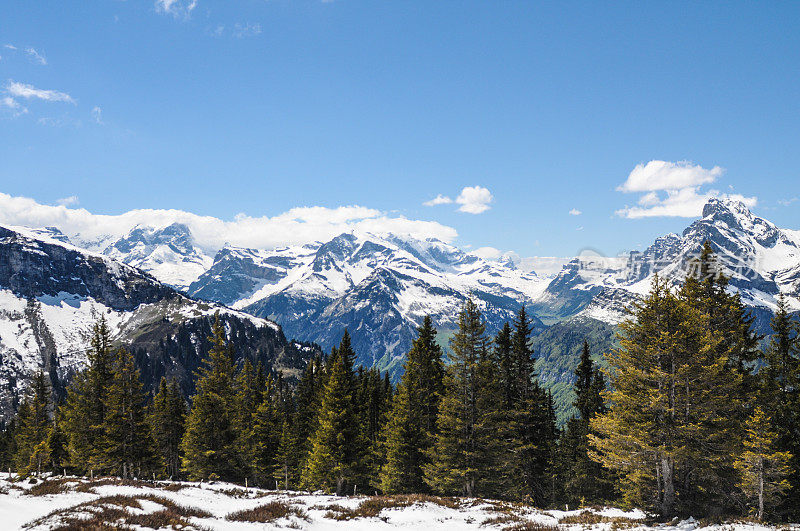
(71, 503)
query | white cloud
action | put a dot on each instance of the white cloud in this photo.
(673, 189)
(9, 47)
(685, 203)
(12, 104)
(240, 31)
(474, 199)
(575, 212)
(97, 115)
(68, 201)
(438, 200)
(663, 175)
(22, 90)
(487, 253)
(297, 226)
(787, 202)
(35, 56)
(176, 8)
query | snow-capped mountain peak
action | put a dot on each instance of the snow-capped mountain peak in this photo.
(168, 253)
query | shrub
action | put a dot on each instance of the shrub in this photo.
(267, 513)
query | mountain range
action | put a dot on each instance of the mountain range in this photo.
(52, 293)
(158, 289)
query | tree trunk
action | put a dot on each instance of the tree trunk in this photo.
(761, 492)
(668, 500)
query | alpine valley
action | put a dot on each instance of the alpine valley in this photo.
(159, 289)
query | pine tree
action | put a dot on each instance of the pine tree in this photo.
(779, 394)
(85, 407)
(209, 444)
(531, 425)
(671, 388)
(336, 446)
(584, 481)
(57, 444)
(411, 426)
(308, 399)
(248, 398)
(126, 447)
(708, 470)
(34, 422)
(462, 457)
(763, 469)
(167, 419)
(288, 455)
(266, 436)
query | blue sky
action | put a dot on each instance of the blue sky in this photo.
(257, 107)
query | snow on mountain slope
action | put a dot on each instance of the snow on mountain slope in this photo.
(168, 253)
(52, 293)
(760, 259)
(379, 287)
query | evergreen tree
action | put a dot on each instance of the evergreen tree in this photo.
(462, 461)
(583, 480)
(85, 407)
(779, 394)
(210, 443)
(33, 427)
(336, 446)
(763, 469)
(167, 419)
(707, 475)
(671, 388)
(412, 426)
(531, 422)
(266, 436)
(248, 398)
(126, 447)
(307, 405)
(288, 454)
(57, 444)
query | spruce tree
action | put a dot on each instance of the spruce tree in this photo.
(34, 423)
(583, 480)
(247, 400)
(532, 423)
(336, 446)
(462, 460)
(308, 398)
(85, 407)
(763, 468)
(126, 447)
(266, 436)
(210, 443)
(411, 426)
(167, 419)
(779, 394)
(671, 390)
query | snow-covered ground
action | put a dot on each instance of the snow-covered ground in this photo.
(71, 503)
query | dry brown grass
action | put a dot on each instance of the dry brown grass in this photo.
(590, 518)
(503, 519)
(531, 526)
(111, 512)
(373, 506)
(89, 486)
(50, 486)
(267, 513)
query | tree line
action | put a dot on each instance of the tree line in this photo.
(690, 416)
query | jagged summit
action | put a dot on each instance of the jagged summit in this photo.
(761, 260)
(169, 253)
